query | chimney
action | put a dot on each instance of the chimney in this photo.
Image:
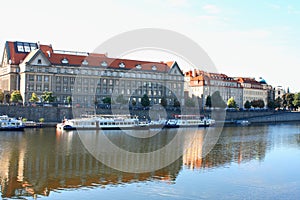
(49, 54)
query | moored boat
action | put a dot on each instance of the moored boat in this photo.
(189, 121)
(10, 124)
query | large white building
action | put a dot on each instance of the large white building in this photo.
(87, 77)
(203, 84)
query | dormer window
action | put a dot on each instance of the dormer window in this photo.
(84, 62)
(154, 67)
(138, 66)
(64, 61)
(122, 65)
(104, 64)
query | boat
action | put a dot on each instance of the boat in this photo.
(189, 121)
(242, 122)
(105, 122)
(10, 124)
(32, 124)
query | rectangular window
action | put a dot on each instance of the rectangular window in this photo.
(46, 79)
(31, 78)
(39, 77)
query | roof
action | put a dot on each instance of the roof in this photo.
(79, 59)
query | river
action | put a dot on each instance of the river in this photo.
(252, 162)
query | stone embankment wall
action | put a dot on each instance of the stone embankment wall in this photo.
(56, 114)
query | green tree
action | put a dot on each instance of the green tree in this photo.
(34, 98)
(288, 99)
(189, 102)
(296, 101)
(271, 104)
(16, 97)
(231, 103)
(164, 102)
(176, 103)
(217, 100)
(247, 104)
(145, 101)
(277, 102)
(47, 97)
(133, 102)
(1, 96)
(7, 98)
(208, 101)
(107, 100)
(69, 100)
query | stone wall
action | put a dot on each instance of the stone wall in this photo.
(56, 114)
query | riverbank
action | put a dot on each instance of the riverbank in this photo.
(54, 115)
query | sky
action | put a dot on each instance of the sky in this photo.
(258, 38)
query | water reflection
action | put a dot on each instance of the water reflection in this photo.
(37, 162)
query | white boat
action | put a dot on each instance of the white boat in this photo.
(189, 121)
(105, 122)
(10, 124)
(243, 122)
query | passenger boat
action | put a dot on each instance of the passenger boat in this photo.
(189, 121)
(105, 122)
(32, 124)
(10, 124)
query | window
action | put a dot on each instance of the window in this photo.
(138, 66)
(64, 61)
(121, 65)
(155, 68)
(39, 78)
(31, 77)
(39, 61)
(84, 62)
(46, 79)
(104, 64)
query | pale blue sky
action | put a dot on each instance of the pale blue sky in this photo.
(243, 38)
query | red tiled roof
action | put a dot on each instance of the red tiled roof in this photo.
(93, 59)
(14, 56)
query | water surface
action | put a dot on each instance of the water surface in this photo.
(254, 162)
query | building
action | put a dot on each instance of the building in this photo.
(203, 84)
(253, 90)
(86, 77)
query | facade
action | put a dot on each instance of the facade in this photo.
(86, 77)
(203, 84)
(253, 90)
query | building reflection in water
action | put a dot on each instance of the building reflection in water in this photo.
(37, 162)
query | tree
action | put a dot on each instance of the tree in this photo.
(69, 100)
(164, 102)
(145, 100)
(288, 98)
(107, 100)
(247, 104)
(7, 98)
(296, 101)
(261, 103)
(34, 98)
(277, 102)
(47, 97)
(208, 101)
(217, 100)
(16, 97)
(271, 104)
(189, 102)
(231, 103)
(1, 96)
(133, 102)
(176, 103)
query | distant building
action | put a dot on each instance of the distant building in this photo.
(253, 90)
(88, 77)
(203, 84)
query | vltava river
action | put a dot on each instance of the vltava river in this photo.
(254, 162)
